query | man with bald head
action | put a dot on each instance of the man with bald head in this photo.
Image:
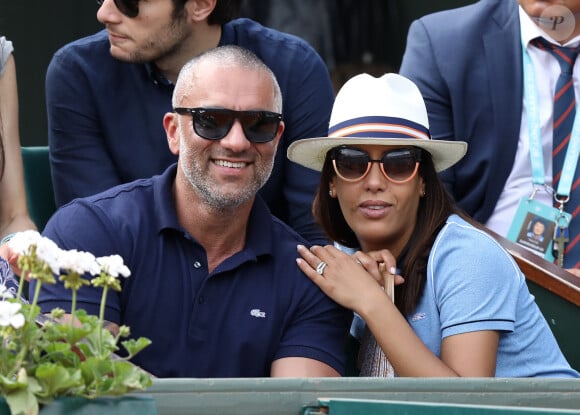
(213, 283)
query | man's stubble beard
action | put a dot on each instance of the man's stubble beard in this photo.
(208, 191)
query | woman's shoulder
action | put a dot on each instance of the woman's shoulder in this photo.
(460, 238)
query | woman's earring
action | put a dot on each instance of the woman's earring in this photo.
(331, 193)
(423, 193)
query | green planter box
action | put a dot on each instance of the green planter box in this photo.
(127, 405)
(265, 396)
(378, 407)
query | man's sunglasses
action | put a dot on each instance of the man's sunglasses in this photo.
(398, 166)
(216, 123)
(129, 8)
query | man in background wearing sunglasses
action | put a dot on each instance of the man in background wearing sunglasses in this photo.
(213, 282)
(107, 93)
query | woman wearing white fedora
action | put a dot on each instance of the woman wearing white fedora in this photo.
(461, 305)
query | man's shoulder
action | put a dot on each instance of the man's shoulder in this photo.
(135, 194)
(261, 33)
(460, 239)
(496, 12)
(285, 234)
(92, 43)
(266, 42)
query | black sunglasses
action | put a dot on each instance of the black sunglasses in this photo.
(216, 123)
(398, 166)
(129, 8)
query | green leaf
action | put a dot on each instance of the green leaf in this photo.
(57, 380)
(96, 371)
(128, 377)
(100, 342)
(71, 333)
(135, 346)
(9, 384)
(62, 354)
(22, 402)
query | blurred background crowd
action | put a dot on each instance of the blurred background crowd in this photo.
(352, 36)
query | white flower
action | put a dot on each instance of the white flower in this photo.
(79, 262)
(22, 241)
(10, 314)
(113, 265)
(46, 249)
(49, 252)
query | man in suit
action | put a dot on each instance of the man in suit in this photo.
(469, 65)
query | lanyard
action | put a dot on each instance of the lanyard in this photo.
(534, 132)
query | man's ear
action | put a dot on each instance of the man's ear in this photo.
(171, 125)
(199, 10)
(281, 128)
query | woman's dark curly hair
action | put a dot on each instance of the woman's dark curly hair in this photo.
(434, 209)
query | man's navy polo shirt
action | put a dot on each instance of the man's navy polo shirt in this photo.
(105, 118)
(254, 308)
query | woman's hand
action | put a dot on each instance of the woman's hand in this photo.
(9, 255)
(378, 260)
(351, 281)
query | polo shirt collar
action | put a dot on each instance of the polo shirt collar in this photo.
(260, 232)
(165, 211)
(259, 235)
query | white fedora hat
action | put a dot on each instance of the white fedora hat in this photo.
(387, 111)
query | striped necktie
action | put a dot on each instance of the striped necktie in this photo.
(563, 116)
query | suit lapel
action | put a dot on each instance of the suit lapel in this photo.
(503, 57)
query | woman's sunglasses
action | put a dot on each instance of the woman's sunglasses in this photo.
(398, 166)
(129, 8)
(216, 123)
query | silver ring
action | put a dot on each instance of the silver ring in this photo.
(320, 267)
(358, 261)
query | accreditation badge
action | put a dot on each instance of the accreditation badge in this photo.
(534, 225)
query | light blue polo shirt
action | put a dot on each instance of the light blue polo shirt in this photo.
(474, 284)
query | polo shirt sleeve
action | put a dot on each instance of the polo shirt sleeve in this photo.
(68, 228)
(475, 282)
(317, 329)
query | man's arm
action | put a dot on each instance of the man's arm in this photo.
(301, 367)
(80, 163)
